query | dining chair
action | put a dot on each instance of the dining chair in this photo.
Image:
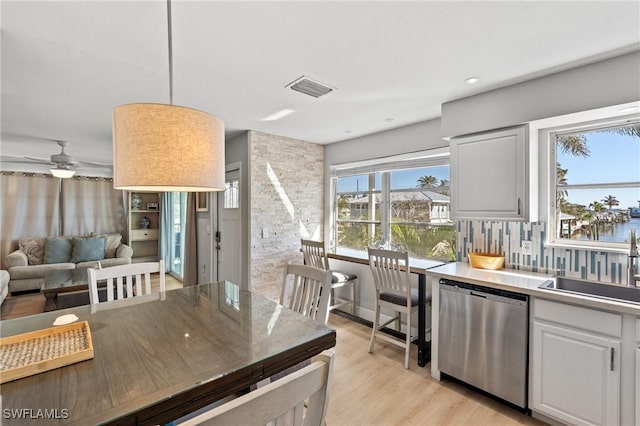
(125, 281)
(391, 277)
(301, 398)
(315, 254)
(306, 290)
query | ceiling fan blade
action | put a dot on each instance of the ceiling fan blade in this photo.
(15, 160)
(96, 165)
(39, 160)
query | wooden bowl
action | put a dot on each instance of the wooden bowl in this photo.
(486, 260)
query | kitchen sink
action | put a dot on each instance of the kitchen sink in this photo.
(590, 288)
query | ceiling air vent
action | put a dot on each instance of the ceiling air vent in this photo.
(309, 87)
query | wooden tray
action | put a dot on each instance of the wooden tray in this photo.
(43, 350)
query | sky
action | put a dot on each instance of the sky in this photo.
(400, 179)
(613, 158)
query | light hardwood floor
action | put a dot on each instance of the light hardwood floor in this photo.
(373, 389)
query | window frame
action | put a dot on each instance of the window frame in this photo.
(384, 166)
(552, 238)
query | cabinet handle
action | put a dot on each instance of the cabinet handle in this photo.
(518, 206)
(611, 351)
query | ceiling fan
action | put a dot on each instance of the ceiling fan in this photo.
(63, 162)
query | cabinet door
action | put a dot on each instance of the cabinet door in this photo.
(576, 375)
(489, 175)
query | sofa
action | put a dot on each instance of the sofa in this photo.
(34, 257)
(4, 285)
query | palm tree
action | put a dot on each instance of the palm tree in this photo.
(597, 207)
(427, 182)
(561, 179)
(574, 144)
(610, 200)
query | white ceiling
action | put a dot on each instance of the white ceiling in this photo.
(65, 65)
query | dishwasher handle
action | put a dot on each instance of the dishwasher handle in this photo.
(473, 293)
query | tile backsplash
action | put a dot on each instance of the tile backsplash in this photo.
(505, 238)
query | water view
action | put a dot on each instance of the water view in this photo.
(610, 232)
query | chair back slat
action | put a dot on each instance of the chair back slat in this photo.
(390, 271)
(300, 398)
(306, 290)
(314, 254)
(122, 279)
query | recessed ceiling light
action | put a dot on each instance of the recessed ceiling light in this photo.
(472, 80)
(278, 115)
(629, 108)
(347, 131)
(388, 120)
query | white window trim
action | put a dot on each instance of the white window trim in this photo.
(573, 122)
(428, 158)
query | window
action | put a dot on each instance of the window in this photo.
(595, 177)
(400, 204)
(178, 202)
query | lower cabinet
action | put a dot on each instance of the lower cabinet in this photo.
(575, 372)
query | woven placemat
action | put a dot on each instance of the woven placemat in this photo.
(42, 348)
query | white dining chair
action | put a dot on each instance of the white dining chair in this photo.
(301, 398)
(306, 290)
(391, 277)
(315, 254)
(125, 281)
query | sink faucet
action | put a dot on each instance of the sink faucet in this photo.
(632, 277)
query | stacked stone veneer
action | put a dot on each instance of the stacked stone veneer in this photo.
(287, 201)
(505, 238)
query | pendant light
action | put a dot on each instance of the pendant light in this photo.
(160, 147)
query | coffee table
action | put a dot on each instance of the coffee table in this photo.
(71, 282)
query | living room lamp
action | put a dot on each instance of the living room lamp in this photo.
(160, 147)
(62, 172)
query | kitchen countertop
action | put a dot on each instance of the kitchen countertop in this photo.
(527, 283)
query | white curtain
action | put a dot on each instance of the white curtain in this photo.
(30, 208)
(36, 205)
(91, 205)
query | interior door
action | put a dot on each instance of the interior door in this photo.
(229, 228)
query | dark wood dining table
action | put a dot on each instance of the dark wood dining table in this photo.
(159, 360)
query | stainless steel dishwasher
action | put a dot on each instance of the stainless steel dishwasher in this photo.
(483, 339)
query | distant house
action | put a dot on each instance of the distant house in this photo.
(406, 206)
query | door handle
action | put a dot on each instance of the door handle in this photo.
(612, 351)
(518, 206)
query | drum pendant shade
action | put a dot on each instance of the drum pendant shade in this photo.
(159, 147)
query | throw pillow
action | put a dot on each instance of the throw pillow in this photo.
(57, 250)
(112, 241)
(33, 248)
(87, 249)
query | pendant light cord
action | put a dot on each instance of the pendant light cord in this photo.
(170, 53)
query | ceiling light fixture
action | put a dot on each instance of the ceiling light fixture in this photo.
(472, 80)
(160, 147)
(62, 172)
(278, 115)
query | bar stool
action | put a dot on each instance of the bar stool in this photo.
(315, 255)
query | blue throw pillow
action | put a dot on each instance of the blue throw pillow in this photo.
(87, 249)
(57, 250)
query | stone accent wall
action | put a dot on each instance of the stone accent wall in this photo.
(505, 238)
(287, 203)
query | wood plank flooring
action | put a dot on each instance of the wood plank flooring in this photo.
(375, 389)
(372, 389)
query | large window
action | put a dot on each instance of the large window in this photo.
(596, 182)
(402, 204)
(178, 214)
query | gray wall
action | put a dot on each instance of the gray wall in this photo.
(611, 82)
(237, 151)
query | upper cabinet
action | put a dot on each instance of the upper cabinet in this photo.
(492, 176)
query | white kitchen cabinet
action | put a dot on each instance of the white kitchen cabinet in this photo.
(576, 364)
(494, 176)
